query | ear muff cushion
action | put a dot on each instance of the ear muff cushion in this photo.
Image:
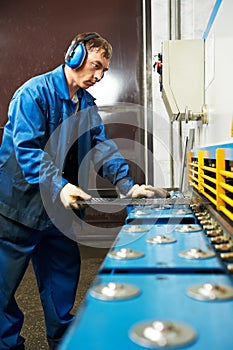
(75, 55)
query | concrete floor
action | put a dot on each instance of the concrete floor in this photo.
(28, 297)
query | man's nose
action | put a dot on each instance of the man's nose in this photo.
(99, 75)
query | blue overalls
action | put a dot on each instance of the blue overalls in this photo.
(43, 139)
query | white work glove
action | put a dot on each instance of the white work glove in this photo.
(70, 194)
(148, 191)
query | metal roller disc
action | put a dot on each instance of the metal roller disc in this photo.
(204, 222)
(141, 212)
(224, 247)
(201, 215)
(162, 334)
(194, 206)
(166, 206)
(136, 228)
(214, 233)
(220, 239)
(210, 227)
(230, 268)
(162, 207)
(188, 228)
(160, 240)
(210, 291)
(114, 291)
(125, 253)
(227, 256)
(195, 253)
(182, 212)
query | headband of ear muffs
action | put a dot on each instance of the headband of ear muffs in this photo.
(76, 53)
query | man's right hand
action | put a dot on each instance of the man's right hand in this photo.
(70, 194)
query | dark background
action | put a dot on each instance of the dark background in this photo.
(35, 34)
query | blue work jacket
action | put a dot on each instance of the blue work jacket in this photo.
(46, 144)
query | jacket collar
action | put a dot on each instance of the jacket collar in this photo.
(61, 86)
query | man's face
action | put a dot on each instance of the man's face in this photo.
(92, 69)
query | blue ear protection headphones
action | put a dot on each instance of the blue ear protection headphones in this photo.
(76, 53)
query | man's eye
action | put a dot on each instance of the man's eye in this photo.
(95, 65)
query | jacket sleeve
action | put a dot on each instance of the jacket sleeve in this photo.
(30, 136)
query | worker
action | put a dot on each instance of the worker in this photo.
(52, 133)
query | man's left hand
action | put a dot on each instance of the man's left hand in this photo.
(148, 191)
